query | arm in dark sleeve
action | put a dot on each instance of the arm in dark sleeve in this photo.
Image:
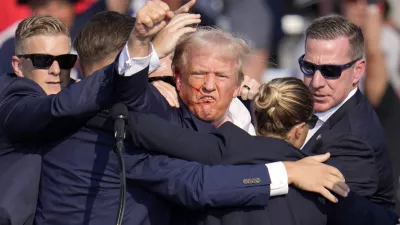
(355, 159)
(152, 133)
(145, 98)
(196, 186)
(357, 210)
(228, 145)
(27, 113)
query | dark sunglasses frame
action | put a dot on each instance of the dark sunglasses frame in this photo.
(310, 122)
(328, 71)
(44, 61)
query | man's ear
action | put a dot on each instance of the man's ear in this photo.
(359, 70)
(236, 93)
(16, 64)
(178, 77)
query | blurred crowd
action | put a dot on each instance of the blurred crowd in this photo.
(275, 30)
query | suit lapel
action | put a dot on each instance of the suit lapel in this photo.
(346, 107)
(316, 140)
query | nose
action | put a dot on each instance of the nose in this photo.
(55, 69)
(318, 81)
(209, 83)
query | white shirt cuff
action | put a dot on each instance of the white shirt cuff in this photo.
(154, 61)
(279, 178)
(128, 66)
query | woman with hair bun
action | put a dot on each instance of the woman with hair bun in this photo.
(284, 109)
(284, 114)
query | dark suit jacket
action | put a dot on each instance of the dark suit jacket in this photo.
(354, 137)
(231, 145)
(80, 172)
(29, 117)
(80, 181)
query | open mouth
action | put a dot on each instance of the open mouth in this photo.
(207, 99)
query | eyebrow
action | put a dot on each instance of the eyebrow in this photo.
(203, 70)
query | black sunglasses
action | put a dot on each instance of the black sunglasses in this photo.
(327, 71)
(44, 61)
(310, 122)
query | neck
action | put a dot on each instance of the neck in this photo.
(221, 121)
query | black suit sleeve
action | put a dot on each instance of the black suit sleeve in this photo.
(350, 155)
(152, 133)
(227, 145)
(357, 210)
(28, 114)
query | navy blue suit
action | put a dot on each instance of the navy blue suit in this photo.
(231, 145)
(80, 173)
(80, 181)
(29, 117)
(354, 137)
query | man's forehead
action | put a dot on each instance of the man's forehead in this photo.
(49, 44)
(204, 58)
(327, 51)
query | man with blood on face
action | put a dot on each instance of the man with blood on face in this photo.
(208, 75)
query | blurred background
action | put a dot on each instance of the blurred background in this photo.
(275, 29)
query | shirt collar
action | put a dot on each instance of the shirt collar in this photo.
(324, 116)
(239, 115)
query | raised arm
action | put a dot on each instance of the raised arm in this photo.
(27, 113)
(150, 21)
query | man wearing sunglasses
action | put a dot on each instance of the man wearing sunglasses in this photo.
(37, 105)
(348, 127)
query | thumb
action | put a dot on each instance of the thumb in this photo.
(322, 158)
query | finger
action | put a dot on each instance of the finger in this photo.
(328, 195)
(164, 93)
(156, 14)
(182, 17)
(161, 4)
(254, 89)
(157, 28)
(252, 93)
(335, 172)
(186, 7)
(321, 158)
(185, 30)
(344, 186)
(244, 93)
(170, 15)
(335, 188)
(185, 23)
(145, 20)
(172, 92)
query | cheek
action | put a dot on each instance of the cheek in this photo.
(307, 81)
(226, 92)
(38, 76)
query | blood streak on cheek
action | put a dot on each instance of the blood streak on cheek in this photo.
(201, 95)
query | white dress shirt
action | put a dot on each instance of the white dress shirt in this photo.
(129, 66)
(239, 115)
(324, 116)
